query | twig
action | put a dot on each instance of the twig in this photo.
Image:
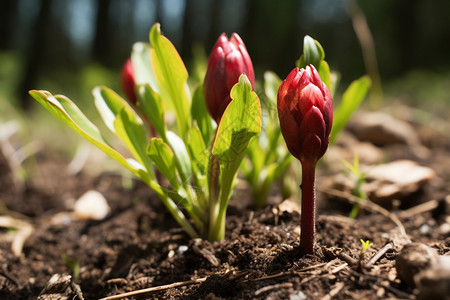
(336, 289)
(419, 209)
(398, 292)
(273, 287)
(155, 289)
(302, 271)
(339, 268)
(379, 254)
(368, 205)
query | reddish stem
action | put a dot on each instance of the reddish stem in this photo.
(307, 233)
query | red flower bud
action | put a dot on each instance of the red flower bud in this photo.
(128, 82)
(305, 110)
(227, 61)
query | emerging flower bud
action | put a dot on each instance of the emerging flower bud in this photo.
(227, 61)
(305, 110)
(128, 82)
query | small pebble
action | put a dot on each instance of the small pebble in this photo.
(91, 205)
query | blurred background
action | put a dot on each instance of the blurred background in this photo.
(70, 46)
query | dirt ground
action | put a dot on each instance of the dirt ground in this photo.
(138, 245)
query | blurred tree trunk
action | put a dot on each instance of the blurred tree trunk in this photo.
(36, 52)
(8, 16)
(277, 20)
(214, 30)
(102, 32)
(187, 37)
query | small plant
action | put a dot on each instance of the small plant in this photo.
(365, 246)
(359, 180)
(198, 160)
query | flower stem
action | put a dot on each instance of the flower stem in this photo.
(307, 234)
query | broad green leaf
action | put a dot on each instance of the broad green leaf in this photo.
(201, 115)
(240, 122)
(142, 65)
(109, 104)
(66, 111)
(351, 99)
(171, 75)
(121, 119)
(133, 135)
(183, 162)
(164, 160)
(151, 104)
(197, 150)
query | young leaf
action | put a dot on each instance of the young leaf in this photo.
(271, 84)
(133, 136)
(240, 122)
(152, 105)
(312, 52)
(65, 110)
(142, 65)
(200, 114)
(324, 72)
(197, 150)
(164, 160)
(351, 99)
(171, 75)
(109, 104)
(183, 162)
(121, 119)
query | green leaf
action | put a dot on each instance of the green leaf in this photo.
(240, 122)
(171, 75)
(324, 72)
(164, 160)
(109, 104)
(197, 150)
(152, 105)
(134, 136)
(200, 114)
(351, 99)
(66, 111)
(271, 84)
(142, 65)
(312, 51)
(183, 162)
(121, 119)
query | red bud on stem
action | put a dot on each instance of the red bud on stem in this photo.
(227, 61)
(305, 110)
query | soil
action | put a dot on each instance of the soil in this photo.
(139, 246)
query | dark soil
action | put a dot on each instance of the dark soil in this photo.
(139, 245)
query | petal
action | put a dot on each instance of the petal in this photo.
(323, 147)
(222, 42)
(310, 96)
(234, 67)
(248, 65)
(311, 147)
(315, 76)
(289, 129)
(314, 123)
